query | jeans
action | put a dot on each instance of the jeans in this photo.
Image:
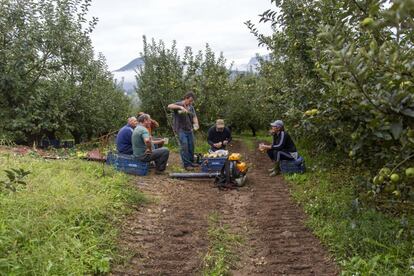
(159, 156)
(186, 147)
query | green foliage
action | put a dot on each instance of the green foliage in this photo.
(166, 77)
(363, 240)
(50, 82)
(4, 141)
(63, 222)
(15, 179)
(341, 73)
(250, 105)
(160, 81)
(201, 145)
(221, 257)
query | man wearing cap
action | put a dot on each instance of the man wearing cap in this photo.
(218, 136)
(282, 147)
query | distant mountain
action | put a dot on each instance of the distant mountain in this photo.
(252, 65)
(126, 79)
(126, 74)
(132, 66)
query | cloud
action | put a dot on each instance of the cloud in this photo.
(193, 23)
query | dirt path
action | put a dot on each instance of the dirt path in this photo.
(169, 237)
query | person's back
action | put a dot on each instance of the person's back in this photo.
(123, 139)
(142, 146)
(138, 143)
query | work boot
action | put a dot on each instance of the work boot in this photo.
(275, 165)
(276, 170)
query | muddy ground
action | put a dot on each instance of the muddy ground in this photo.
(169, 236)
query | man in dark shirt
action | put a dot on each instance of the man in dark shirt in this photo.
(282, 147)
(184, 122)
(123, 139)
(218, 136)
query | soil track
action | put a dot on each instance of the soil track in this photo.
(169, 236)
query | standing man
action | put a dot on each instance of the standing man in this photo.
(184, 122)
(142, 146)
(282, 147)
(123, 139)
(219, 136)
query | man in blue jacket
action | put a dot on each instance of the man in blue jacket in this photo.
(123, 139)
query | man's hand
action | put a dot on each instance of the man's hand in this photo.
(263, 147)
(148, 152)
(217, 145)
(225, 142)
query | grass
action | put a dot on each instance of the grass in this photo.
(220, 257)
(364, 241)
(63, 221)
(176, 168)
(201, 145)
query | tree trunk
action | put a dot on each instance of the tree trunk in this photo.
(77, 136)
(253, 129)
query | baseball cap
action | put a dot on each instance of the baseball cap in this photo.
(277, 123)
(220, 123)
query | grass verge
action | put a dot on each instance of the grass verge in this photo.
(363, 240)
(220, 256)
(200, 143)
(63, 221)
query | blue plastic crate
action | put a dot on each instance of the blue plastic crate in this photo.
(212, 164)
(127, 163)
(293, 166)
(46, 143)
(68, 143)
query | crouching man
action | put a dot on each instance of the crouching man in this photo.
(282, 147)
(219, 136)
(142, 146)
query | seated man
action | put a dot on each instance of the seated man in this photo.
(153, 125)
(156, 142)
(123, 139)
(219, 136)
(142, 145)
(282, 147)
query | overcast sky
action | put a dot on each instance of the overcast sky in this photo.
(193, 23)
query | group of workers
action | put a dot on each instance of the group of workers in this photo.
(136, 138)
